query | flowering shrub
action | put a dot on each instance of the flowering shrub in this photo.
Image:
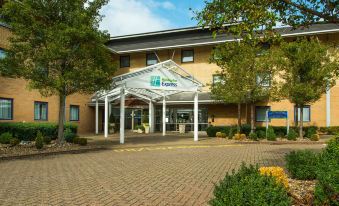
(276, 172)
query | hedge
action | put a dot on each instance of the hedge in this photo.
(28, 131)
(280, 131)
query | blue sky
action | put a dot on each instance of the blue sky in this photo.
(137, 16)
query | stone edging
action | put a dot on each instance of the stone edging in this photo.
(278, 142)
(53, 153)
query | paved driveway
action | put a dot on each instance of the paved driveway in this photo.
(177, 173)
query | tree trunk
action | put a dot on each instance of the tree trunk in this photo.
(239, 118)
(62, 101)
(301, 122)
(252, 118)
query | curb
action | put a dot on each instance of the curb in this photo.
(281, 143)
(55, 153)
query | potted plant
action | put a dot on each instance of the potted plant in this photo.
(147, 128)
(145, 123)
(140, 129)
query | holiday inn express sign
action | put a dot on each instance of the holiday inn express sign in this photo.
(157, 81)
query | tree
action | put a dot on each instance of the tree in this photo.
(254, 18)
(57, 46)
(309, 69)
(245, 75)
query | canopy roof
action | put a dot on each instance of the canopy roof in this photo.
(152, 83)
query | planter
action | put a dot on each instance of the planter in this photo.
(146, 129)
(182, 128)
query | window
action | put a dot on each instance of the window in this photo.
(41, 111)
(151, 59)
(124, 61)
(264, 79)
(306, 114)
(74, 113)
(216, 79)
(6, 109)
(187, 55)
(260, 113)
(2, 53)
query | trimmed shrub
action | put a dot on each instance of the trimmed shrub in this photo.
(330, 130)
(5, 138)
(327, 187)
(242, 136)
(261, 134)
(271, 135)
(218, 134)
(248, 187)
(292, 135)
(47, 140)
(246, 129)
(69, 136)
(232, 132)
(302, 164)
(14, 141)
(39, 140)
(309, 131)
(315, 137)
(276, 172)
(28, 131)
(253, 136)
(223, 135)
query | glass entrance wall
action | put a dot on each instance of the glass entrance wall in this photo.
(133, 117)
(176, 116)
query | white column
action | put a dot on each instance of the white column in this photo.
(328, 107)
(122, 116)
(151, 116)
(106, 117)
(196, 112)
(164, 116)
(96, 116)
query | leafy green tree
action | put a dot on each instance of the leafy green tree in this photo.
(245, 75)
(252, 18)
(57, 46)
(309, 69)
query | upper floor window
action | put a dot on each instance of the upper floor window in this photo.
(6, 109)
(41, 111)
(306, 114)
(264, 79)
(124, 61)
(216, 79)
(151, 59)
(2, 53)
(74, 113)
(187, 55)
(260, 113)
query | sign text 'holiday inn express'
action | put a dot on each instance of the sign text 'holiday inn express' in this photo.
(157, 81)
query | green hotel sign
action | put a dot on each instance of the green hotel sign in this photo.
(157, 81)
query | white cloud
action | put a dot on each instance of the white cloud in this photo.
(134, 16)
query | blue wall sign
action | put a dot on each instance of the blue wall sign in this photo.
(277, 114)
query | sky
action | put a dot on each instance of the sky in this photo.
(122, 17)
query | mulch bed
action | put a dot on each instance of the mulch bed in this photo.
(28, 149)
(302, 191)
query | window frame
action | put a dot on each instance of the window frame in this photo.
(257, 107)
(4, 50)
(269, 80)
(41, 102)
(182, 55)
(12, 107)
(216, 75)
(70, 113)
(147, 55)
(296, 110)
(129, 61)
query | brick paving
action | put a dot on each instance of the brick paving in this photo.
(181, 175)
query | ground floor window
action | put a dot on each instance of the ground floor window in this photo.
(40, 111)
(74, 113)
(6, 109)
(260, 113)
(306, 114)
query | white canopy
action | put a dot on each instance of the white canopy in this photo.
(150, 84)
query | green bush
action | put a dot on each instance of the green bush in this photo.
(69, 135)
(5, 138)
(302, 164)
(271, 135)
(47, 140)
(39, 140)
(309, 131)
(232, 132)
(82, 141)
(330, 130)
(245, 129)
(28, 131)
(292, 135)
(327, 186)
(253, 136)
(14, 141)
(261, 134)
(248, 187)
(140, 127)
